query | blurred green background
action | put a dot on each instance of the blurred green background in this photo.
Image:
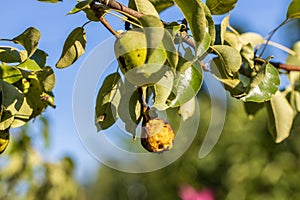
(245, 164)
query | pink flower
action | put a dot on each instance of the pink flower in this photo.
(189, 193)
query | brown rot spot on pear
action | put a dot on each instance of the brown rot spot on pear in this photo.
(157, 135)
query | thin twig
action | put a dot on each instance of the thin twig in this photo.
(108, 26)
(285, 66)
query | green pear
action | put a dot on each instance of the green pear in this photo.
(131, 50)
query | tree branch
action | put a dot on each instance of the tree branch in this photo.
(285, 66)
(188, 40)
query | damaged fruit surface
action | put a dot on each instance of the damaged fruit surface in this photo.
(157, 135)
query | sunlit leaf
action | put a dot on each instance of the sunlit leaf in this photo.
(10, 74)
(293, 10)
(29, 64)
(233, 40)
(74, 47)
(33, 89)
(263, 85)
(172, 54)
(204, 45)
(224, 25)
(162, 90)
(186, 85)
(80, 6)
(195, 16)
(229, 60)
(14, 101)
(161, 5)
(12, 55)
(188, 109)
(107, 101)
(29, 39)
(219, 7)
(280, 117)
(253, 38)
(143, 6)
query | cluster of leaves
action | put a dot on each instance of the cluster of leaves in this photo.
(25, 83)
(169, 61)
(24, 174)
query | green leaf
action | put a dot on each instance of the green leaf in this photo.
(172, 53)
(229, 60)
(162, 89)
(29, 39)
(130, 107)
(161, 5)
(10, 74)
(233, 40)
(148, 74)
(90, 14)
(195, 16)
(263, 85)
(219, 7)
(280, 117)
(80, 6)
(154, 31)
(6, 120)
(187, 110)
(74, 47)
(247, 53)
(33, 89)
(143, 6)
(296, 124)
(296, 48)
(224, 25)
(40, 57)
(47, 78)
(294, 99)
(204, 45)
(107, 101)
(14, 101)
(29, 64)
(253, 38)
(293, 10)
(187, 84)
(12, 55)
(210, 23)
(234, 86)
(252, 108)
(50, 1)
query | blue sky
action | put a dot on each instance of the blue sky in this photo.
(259, 16)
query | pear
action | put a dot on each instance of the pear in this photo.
(131, 50)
